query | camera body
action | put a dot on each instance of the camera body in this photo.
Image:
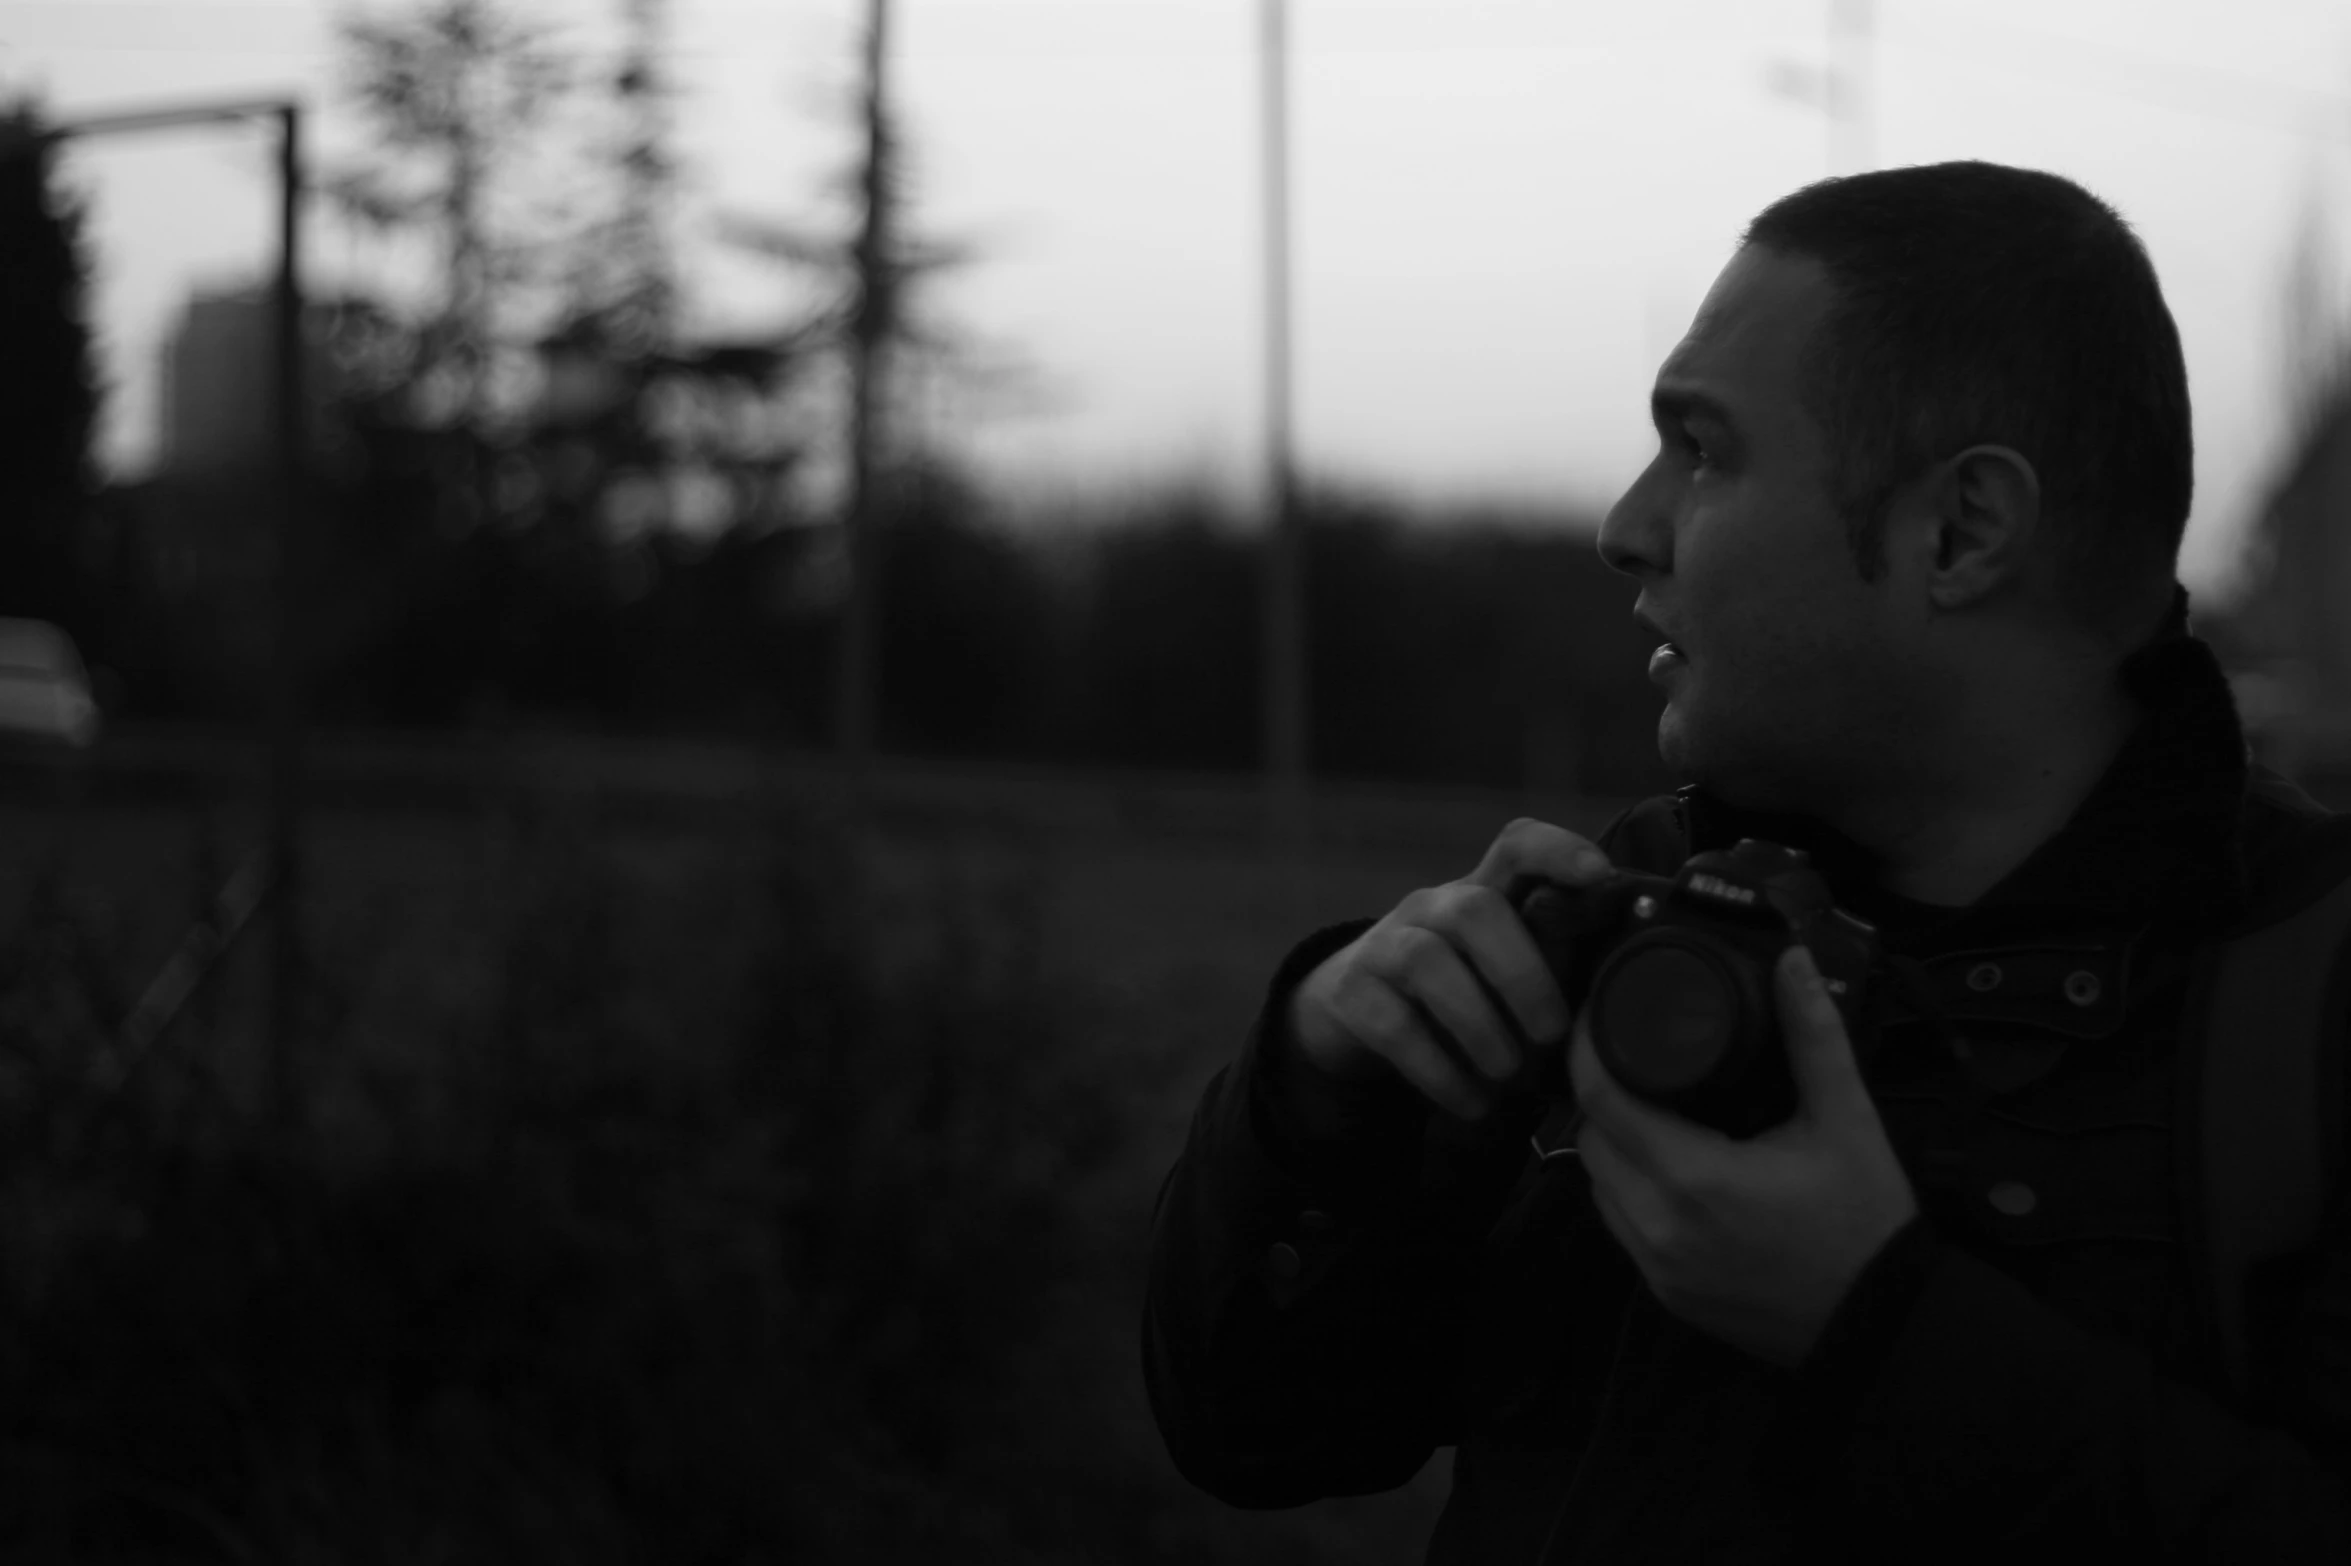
(1676, 976)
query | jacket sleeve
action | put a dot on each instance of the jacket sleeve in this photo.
(1966, 1412)
(1304, 1317)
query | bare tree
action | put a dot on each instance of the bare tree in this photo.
(622, 285)
(457, 94)
(867, 312)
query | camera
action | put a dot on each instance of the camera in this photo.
(1676, 976)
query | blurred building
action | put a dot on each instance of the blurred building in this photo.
(216, 403)
(198, 535)
(218, 408)
(212, 507)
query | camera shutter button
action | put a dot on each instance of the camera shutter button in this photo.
(1984, 977)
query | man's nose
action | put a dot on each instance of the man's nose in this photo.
(1636, 537)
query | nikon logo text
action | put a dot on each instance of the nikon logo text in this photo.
(1716, 886)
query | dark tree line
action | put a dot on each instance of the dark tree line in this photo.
(48, 383)
(1464, 650)
(1478, 653)
(1469, 650)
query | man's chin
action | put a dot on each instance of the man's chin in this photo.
(1673, 744)
(1718, 769)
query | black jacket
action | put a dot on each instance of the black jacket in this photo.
(2022, 1369)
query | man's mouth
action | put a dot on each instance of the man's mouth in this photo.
(1669, 656)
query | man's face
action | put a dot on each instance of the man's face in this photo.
(1786, 675)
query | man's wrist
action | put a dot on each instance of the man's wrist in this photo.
(1861, 1332)
(1319, 1106)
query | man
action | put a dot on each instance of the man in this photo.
(1909, 540)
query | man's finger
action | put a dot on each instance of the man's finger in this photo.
(1528, 851)
(1394, 1029)
(1820, 1053)
(1498, 945)
(1439, 980)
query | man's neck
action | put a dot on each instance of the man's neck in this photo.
(2007, 787)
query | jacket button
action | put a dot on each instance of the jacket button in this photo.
(1282, 1261)
(2013, 1197)
(2082, 987)
(1984, 976)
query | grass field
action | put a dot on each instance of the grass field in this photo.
(540, 928)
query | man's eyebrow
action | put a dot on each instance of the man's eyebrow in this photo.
(1673, 404)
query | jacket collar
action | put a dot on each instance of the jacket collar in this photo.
(2154, 840)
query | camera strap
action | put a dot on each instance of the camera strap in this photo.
(1555, 1137)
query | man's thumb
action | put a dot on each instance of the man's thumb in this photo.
(1820, 1055)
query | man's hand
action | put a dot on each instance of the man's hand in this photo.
(1753, 1243)
(1449, 990)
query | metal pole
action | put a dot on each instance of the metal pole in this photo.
(1284, 608)
(283, 827)
(286, 706)
(1851, 89)
(114, 122)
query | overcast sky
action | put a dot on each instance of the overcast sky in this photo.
(1505, 209)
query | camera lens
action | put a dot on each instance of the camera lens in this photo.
(1667, 1015)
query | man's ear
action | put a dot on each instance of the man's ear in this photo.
(1981, 514)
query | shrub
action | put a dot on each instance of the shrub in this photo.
(718, 1230)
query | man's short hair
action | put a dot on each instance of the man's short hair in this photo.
(1983, 305)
